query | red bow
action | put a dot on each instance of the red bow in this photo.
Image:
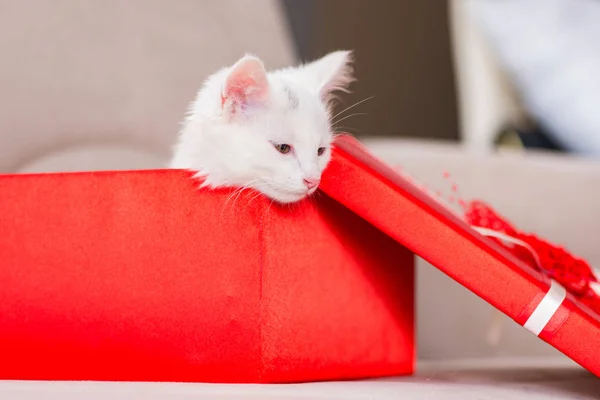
(573, 273)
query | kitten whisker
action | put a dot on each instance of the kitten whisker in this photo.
(237, 192)
(256, 196)
(240, 192)
(346, 117)
(233, 193)
(350, 107)
(268, 208)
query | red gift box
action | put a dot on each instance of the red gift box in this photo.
(427, 228)
(141, 276)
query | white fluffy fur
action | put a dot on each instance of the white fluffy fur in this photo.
(243, 111)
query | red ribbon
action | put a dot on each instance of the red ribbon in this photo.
(574, 273)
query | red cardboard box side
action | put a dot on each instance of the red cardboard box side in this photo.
(119, 276)
(403, 212)
(140, 276)
(352, 284)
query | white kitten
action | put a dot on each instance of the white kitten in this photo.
(269, 131)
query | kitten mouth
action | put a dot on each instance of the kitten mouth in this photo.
(285, 195)
(290, 196)
(302, 194)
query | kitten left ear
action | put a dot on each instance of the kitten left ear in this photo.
(246, 86)
(331, 73)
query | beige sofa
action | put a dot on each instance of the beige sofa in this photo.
(102, 85)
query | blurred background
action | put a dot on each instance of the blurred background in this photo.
(121, 73)
(503, 94)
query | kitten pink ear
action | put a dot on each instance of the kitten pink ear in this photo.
(331, 73)
(246, 86)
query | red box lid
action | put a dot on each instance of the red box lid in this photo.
(374, 191)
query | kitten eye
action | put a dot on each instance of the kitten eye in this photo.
(321, 151)
(282, 147)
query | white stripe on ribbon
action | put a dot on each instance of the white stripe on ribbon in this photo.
(543, 313)
(596, 285)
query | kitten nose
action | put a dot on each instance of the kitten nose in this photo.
(311, 183)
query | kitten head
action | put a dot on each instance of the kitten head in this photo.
(269, 131)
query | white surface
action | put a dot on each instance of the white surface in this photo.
(511, 379)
